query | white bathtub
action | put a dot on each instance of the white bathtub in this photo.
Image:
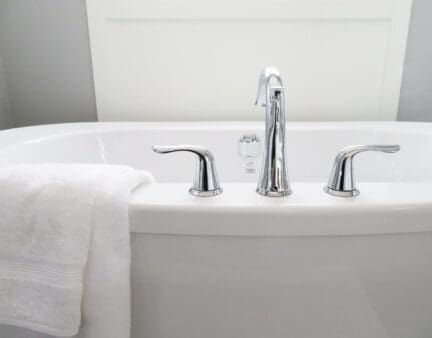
(243, 265)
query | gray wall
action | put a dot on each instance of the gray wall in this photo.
(5, 115)
(46, 57)
(416, 95)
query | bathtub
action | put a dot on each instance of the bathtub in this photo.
(241, 265)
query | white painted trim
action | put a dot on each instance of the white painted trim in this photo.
(247, 9)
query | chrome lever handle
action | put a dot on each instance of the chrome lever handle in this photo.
(206, 181)
(341, 181)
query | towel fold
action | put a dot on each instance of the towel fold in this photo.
(65, 246)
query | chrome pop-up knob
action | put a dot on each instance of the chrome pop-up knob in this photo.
(206, 181)
(341, 182)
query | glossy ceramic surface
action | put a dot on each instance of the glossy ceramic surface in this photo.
(244, 265)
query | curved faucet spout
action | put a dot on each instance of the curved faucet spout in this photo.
(266, 76)
(273, 181)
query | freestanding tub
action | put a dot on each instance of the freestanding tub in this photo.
(241, 265)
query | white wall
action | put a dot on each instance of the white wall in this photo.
(67, 93)
(200, 59)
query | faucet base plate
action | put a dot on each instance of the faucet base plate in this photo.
(205, 193)
(341, 193)
(280, 193)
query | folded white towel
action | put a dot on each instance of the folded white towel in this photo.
(61, 227)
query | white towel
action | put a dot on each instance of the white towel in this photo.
(65, 246)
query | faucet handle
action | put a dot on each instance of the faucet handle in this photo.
(263, 85)
(341, 181)
(206, 181)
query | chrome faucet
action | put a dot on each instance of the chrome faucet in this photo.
(206, 181)
(341, 182)
(273, 180)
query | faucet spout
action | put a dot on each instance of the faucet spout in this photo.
(273, 180)
(266, 76)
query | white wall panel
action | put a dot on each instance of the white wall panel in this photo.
(200, 59)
